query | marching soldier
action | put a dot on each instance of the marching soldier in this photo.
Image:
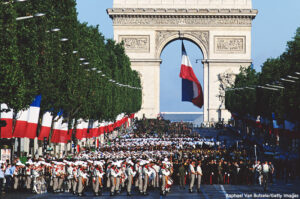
(97, 179)
(182, 173)
(61, 177)
(17, 175)
(75, 178)
(165, 175)
(130, 175)
(199, 176)
(82, 179)
(139, 170)
(192, 176)
(113, 178)
(28, 177)
(156, 169)
(146, 174)
(70, 177)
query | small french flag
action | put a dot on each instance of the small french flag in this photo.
(6, 132)
(33, 118)
(191, 88)
(85, 127)
(63, 133)
(56, 127)
(27, 120)
(46, 126)
(79, 129)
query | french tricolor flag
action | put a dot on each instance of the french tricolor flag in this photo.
(95, 129)
(70, 131)
(46, 126)
(85, 127)
(79, 129)
(63, 133)
(27, 120)
(33, 117)
(6, 132)
(56, 127)
(191, 88)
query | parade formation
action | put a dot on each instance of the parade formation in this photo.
(141, 163)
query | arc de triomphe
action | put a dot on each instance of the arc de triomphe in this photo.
(220, 28)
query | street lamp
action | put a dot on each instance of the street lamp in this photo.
(30, 16)
(287, 80)
(53, 30)
(64, 39)
(268, 88)
(275, 86)
(39, 14)
(292, 77)
(250, 88)
(255, 153)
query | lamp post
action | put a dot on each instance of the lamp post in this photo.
(255, 153)
(30, 16)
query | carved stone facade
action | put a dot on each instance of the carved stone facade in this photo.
(222, 33)
(226, 80)
(201, 36)
(230, 44)
(174, 21)
(136, 43)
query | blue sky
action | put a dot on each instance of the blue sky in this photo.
(275, 24)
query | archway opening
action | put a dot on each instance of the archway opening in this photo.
(171, 106)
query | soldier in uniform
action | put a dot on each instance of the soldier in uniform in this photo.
(181, 172)
(108, 169)
(130, 175)
(192, 175)
(69, 177)
(61, 177)
(97, 179)
(113, 178)
(75, 178)
(165, 175)
(82, 179)
(156, 169)
(146, 174)
(139, 169)
(17, 174)
(28, 177)
(199, 176)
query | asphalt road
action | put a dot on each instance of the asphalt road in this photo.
(207, 192)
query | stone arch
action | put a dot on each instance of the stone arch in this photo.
(163, 38)
(221, 30)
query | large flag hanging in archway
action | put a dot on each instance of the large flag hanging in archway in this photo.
(191, 88)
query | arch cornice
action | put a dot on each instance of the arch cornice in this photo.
(182, 17)
(200, 38)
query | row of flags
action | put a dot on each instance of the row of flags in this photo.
(27, 123)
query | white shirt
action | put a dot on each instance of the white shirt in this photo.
(199, 170)
(192, 169)
(265, 168)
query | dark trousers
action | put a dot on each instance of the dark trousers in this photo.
(8, 183)
(1, 185)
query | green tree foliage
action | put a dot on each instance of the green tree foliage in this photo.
(285, 103)
(12, 81)
(36, 58)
